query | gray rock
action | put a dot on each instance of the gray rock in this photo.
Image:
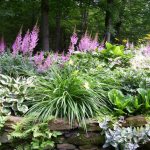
(65, 146)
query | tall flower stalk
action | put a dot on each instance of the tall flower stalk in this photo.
(25, 43)
(2, 46)
(16, 47)
(34, 38)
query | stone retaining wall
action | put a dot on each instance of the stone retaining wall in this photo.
(73, 138)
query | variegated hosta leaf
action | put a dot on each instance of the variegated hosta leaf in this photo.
(6, 111)
(13, 93)
(22, 108)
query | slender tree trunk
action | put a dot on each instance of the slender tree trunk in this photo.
(108, 21)
(45, 24)
(58, 25)
(120, 20)
(84, 17)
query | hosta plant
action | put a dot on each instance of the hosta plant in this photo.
(119, 104)
(115, 56)
(14, 94)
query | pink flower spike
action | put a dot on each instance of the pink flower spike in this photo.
(55, 57)
(71, 49)
(48, 62)
(25, 43)
(74, 39)
(34, 38)
(2, 46)
(38, 59)
(84, 44)
(100, 48)
(16, 47)
(65, 58)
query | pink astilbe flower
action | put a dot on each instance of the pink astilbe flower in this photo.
(100, 47)
(25, 43)
(73, 42)
(74, 39)
(16, 47)
(132, 45)
(64, 57)
(47, 63)
(71, 49)
(94, 43)
(84, 44)
(38, 59)
(34, 38)
(2, 46)
(146, 50)
(55, 57)
(127, 44)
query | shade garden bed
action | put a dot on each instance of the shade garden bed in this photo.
(101, 92)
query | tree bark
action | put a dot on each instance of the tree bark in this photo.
(45, 24)
(58, 25)
(84, 16)
(108, 21)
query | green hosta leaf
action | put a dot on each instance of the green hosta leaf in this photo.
(108, 45)
(117, 51)
(147, 103)
(6, 111)
(113, 94)
(142, 92)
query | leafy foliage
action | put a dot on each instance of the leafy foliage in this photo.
(119, 104)
(124, 138)
(16, 66)
(115, 56)
(37, 134)
(64, 93)
(14, 93)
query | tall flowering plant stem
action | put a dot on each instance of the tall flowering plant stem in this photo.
(2, 46)
(34, 38)
(25, 43)
(16, 47)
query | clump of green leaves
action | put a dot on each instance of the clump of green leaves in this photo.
(115, 56)
(64, 93)
(14, 94)
(16, 66)
(37, 135)
(119, 104)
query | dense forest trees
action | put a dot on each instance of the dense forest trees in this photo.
(122, 19)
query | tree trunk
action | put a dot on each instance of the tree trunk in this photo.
(45, 24)
(84, 16)
(58, 25)
(108, 21)
(118, 24)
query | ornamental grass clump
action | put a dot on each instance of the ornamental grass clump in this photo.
(64, 94)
